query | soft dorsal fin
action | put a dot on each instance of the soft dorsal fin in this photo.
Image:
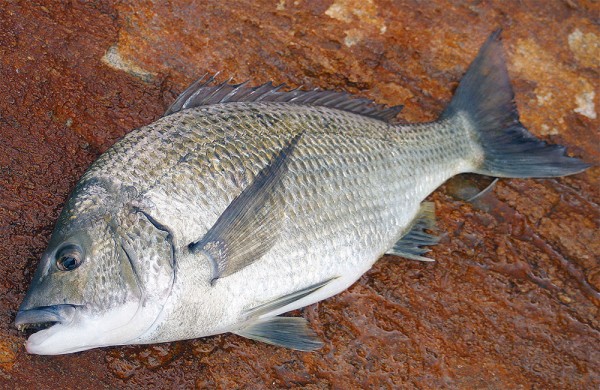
(203, 93)
(410, 245)
(250, 225)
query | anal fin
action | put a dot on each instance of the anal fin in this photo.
(411, 244)
(288, 332)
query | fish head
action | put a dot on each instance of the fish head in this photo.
(102, 281)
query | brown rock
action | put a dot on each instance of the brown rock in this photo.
(513, 300)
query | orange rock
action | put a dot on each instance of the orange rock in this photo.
(513, 299)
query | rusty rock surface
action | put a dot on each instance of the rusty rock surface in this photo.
(513, 299)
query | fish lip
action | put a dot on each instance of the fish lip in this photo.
(44, 317)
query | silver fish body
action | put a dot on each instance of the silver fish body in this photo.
(220, 217)
(350, 191)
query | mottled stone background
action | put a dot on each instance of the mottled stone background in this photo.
(513, 300)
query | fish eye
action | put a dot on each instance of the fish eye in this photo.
(69, 257)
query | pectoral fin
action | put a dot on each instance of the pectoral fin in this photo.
(289, 332)
(250, 225)
(410, 245)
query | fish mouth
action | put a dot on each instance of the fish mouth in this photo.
(44, 317)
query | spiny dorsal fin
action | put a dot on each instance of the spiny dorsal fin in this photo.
(410, 245)
(250, 225)
(288, 332)
(203, 93)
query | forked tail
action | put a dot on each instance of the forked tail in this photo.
(485, 97)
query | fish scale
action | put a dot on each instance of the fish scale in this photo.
(335, 154)
(353, 158)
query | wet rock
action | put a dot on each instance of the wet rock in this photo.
(124, 362)
(514, 297)
(9, 347)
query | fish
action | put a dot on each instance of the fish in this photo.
(244, 203)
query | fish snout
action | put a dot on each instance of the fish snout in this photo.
(43, 317)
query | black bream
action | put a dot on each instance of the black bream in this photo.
(244, 203)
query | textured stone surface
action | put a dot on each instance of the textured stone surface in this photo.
(513, 300)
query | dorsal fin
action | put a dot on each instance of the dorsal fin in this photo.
(203, 93)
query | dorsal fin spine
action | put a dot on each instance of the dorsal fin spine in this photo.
(206, 92)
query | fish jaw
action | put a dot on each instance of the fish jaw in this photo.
(75, 329)
(44, 317)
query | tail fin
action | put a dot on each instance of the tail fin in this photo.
(486, 97)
